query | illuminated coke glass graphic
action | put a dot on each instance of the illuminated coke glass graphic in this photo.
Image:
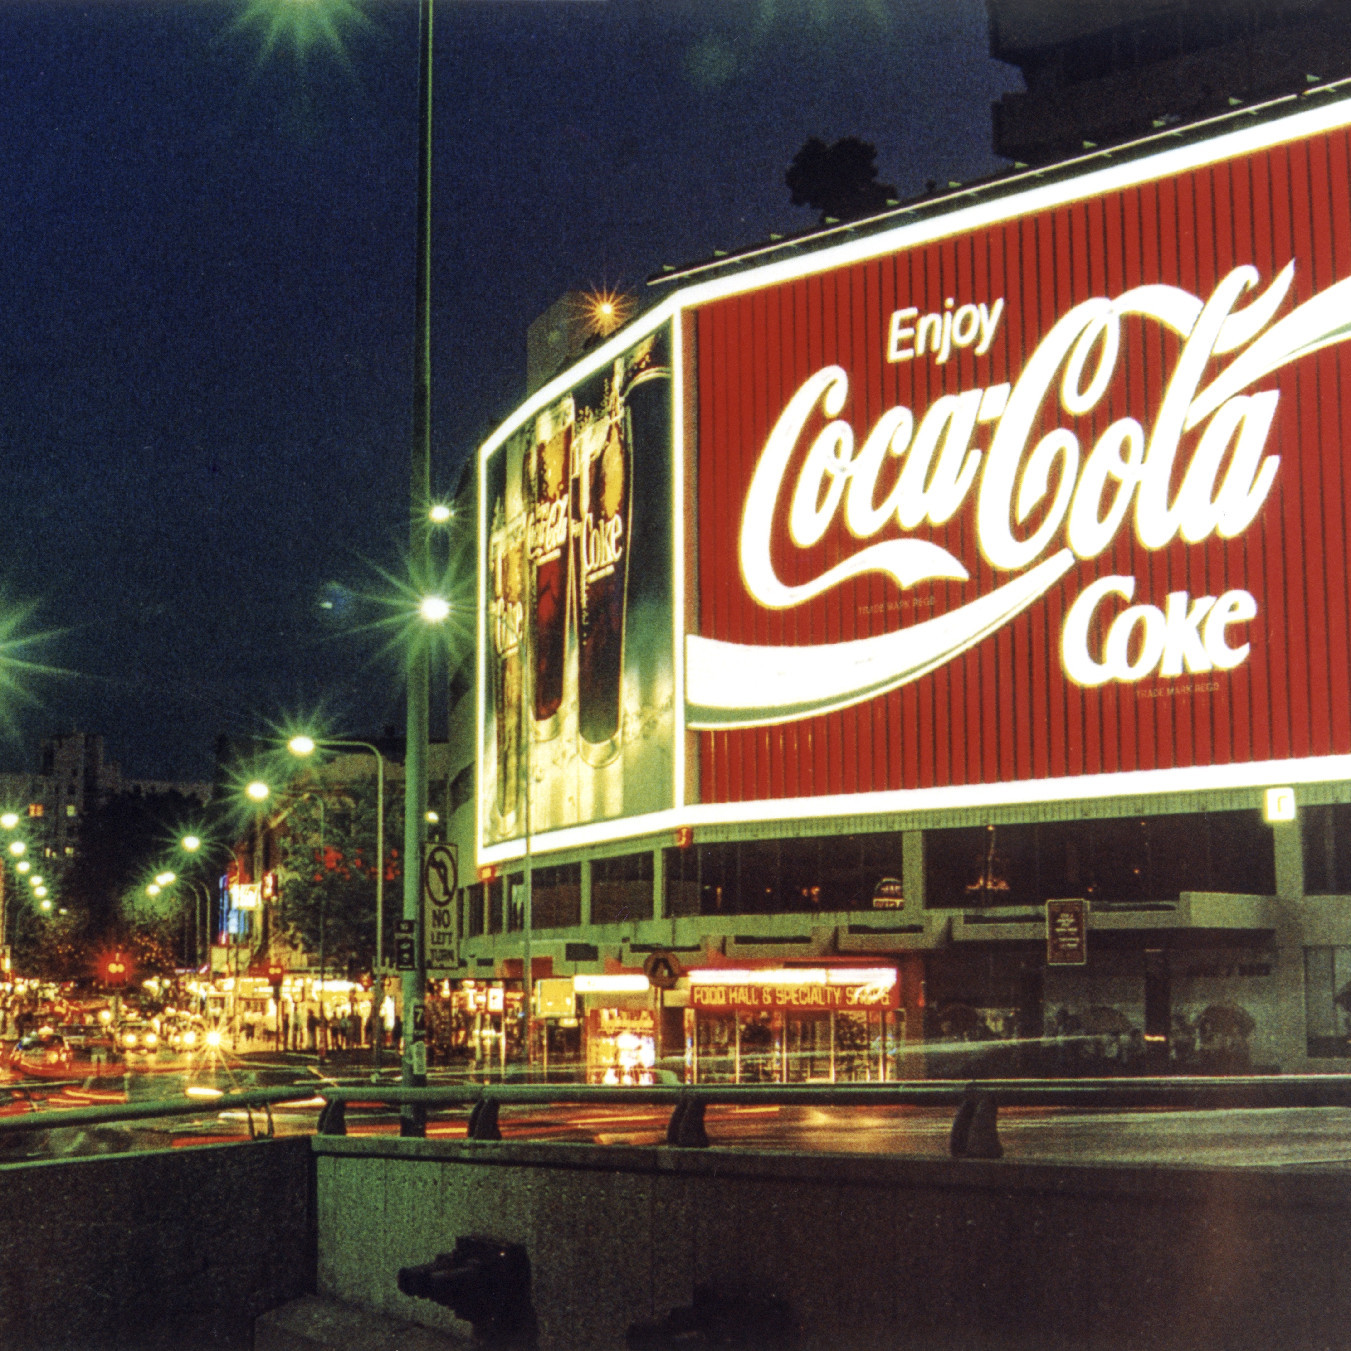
(548, 482)
(577, 639)
(604, 471)
(507, 623)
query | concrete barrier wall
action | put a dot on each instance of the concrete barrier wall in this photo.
(173, 1249)
(870, 1252)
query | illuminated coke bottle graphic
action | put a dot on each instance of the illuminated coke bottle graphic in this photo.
(605, 474)
(548, 484)
(507, 623)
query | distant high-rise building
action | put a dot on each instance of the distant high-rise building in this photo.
(75, 778)
(1100, 71)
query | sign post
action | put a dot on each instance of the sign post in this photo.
(440, 887)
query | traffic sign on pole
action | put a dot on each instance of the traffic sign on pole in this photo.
(440, 887)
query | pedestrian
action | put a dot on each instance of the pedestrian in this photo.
(398, 1031)
(312, 1022)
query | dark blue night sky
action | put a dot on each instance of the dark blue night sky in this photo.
(206, 262)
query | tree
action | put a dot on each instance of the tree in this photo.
(839, 181)
(327, 874)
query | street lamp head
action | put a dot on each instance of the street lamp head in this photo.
(301, 745)
(9, 820)
(165, 878)
(23, 866)
(46, 905)
(191, 843)
(433, 818)
(17, 848)
(258, 791)
(434, 609)
(152, 889)
(440, 513)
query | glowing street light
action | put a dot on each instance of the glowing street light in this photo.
(166, 878)
(192, 843)
(9, 820)
(434, 609)
(153, 889)
(23, 866)
(258, 791)
(18, 848)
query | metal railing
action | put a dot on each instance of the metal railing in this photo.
(689, 1102)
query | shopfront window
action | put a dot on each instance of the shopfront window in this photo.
(1150, 858)
(495, 906)
(621, 889)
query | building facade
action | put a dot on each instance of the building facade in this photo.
(925, 650)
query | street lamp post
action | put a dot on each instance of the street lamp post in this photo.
(413, 1119)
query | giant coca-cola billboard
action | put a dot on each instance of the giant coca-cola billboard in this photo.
(1042, 496)
(1046, 497)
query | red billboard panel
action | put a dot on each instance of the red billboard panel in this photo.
(1053, 490)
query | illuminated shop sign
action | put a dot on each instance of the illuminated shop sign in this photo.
(245, 895)
(1059, 494)
(796, 989)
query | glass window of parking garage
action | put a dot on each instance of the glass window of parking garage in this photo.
(1326, 833)
(753, 877)
(621, 889)
(1125, 859)
(471, 914)
(556, 897)
(1327, 1001)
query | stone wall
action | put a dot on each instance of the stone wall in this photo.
(179, 1248)
(870, 1252)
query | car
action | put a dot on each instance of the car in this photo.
(184, 1033)
(40, 1053)
(138, 1039)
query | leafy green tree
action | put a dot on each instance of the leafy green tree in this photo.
(328, 871)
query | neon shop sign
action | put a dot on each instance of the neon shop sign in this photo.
(1210, 441)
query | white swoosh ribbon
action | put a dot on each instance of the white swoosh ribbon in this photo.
(744, 685)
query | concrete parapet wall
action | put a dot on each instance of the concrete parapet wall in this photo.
(870, 1252)
(177, 1249)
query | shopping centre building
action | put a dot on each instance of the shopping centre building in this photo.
(923, 648)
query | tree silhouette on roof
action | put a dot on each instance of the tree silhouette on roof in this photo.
(839, 181)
